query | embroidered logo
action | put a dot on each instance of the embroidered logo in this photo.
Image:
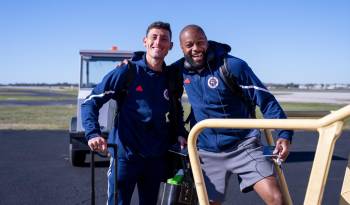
(187, 81)
(166, 94)
(139, 88)
(213, 82)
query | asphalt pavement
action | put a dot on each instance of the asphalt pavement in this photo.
(34, 169)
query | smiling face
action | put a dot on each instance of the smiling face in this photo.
(157, 43)
(194, 45)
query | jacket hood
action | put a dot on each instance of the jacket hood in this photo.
(138, 55)
(217, 49)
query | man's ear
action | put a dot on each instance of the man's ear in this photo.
(181, 46)
(171, 45)
(144, 41)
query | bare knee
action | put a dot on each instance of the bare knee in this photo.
(275, 198)
(269, 191)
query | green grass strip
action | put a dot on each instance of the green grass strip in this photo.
(36, 117)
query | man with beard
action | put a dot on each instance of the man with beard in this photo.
(141, 130)
(226, 151)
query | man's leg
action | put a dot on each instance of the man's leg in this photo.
(215, 175)
(148, 186)
(255, 171)
(269, 191)
(127, 176)
(110, 182)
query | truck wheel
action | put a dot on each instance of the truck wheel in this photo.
(76, 157)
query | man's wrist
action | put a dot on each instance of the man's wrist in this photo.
(92, 136)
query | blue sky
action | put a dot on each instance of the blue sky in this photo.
(283, 41)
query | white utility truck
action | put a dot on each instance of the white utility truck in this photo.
(93, 66)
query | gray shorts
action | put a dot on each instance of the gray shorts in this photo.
(246, 160)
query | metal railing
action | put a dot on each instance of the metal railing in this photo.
(329, 128)
(281, 179)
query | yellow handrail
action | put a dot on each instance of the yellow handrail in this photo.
(329, 128)
(345, 191)
(281, 179)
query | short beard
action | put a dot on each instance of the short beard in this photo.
(193, 65)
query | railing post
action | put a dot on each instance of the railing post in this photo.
(329, 128)
(196, 167)
(345, 190)
(320, 167)
(281, 179)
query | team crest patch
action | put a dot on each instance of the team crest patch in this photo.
(166, 94)
(213, 82)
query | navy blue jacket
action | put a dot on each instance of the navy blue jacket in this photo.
(211, 98)
(141, 127)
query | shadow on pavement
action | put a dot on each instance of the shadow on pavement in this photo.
(306, 157)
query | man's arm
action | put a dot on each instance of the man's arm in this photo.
(108, 89)
(270, 108)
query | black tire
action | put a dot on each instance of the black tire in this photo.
(76, 157)
(73, 124)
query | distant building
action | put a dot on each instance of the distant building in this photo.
(309, 86)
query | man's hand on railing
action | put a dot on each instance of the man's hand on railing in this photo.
(182, 141)
(282, 148)
(98, 144)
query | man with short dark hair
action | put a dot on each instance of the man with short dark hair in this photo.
(226, 151)
(141, 130)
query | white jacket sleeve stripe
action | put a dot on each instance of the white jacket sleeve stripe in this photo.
(99, 96)
(254, 87)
